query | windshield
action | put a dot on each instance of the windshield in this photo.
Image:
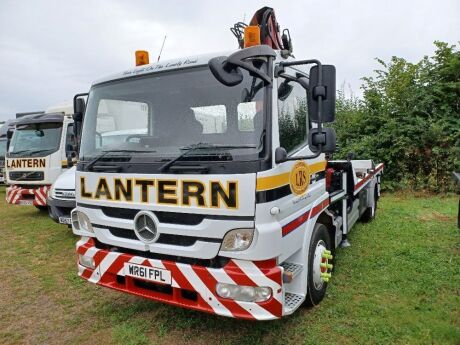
(36, 139)
(2, 148)
(158, 117)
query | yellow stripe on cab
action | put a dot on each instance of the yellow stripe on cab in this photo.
(275, 181)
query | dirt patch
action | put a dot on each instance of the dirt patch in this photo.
(436, 216)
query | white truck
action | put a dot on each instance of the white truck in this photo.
(227, 203)
(2, 158)
(40, 149)
(3, 145)
(61, 195)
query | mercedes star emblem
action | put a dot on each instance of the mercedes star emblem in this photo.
(145, 227)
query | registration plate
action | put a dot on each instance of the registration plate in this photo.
(26, 202)
(65, 220)
(153, 274)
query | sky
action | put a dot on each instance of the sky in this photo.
(51, 50)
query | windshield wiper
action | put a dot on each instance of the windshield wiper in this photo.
(40, 151)
(199, 146)
(106, 152)
(19, 152)
(30, 151)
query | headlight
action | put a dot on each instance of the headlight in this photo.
(244, 293)
(80, 221)
(50, 193)
(237, 240)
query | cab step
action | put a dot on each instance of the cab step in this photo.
(291, 302)
(291, 270)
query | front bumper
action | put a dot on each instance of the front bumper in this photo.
(60, 208)
(27, 196)
(193, 286)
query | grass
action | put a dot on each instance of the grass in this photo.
(398, 283)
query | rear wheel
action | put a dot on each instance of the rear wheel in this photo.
(369, 214)
(319, 264)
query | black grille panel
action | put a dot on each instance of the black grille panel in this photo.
(27, 175)
(176, 240)
(163, 217)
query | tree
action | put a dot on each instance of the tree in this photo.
(409, 118)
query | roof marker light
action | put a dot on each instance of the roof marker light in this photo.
(142, 57)
(251, 36)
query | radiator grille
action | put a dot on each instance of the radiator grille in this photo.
(27, 175)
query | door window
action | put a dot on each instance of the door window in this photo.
(292, 115)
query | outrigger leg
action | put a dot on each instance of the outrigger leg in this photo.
(344, 243)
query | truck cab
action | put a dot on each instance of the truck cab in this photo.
(223, 200)
(3, 144)
(61, 195)
(39, 151)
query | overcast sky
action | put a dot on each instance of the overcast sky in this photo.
(50, 50)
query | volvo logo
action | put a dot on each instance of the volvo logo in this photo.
(145, 227)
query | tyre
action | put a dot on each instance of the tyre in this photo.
(369, 214)
(319, 265)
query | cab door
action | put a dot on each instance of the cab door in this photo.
(289, 189)
(69, 145)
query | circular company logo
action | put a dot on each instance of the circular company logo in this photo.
(299, 178)
(145, 227)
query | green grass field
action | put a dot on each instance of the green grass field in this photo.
(398, 283)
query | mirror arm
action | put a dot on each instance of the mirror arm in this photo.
(248, 67)
(300, 62)
(238, 59)
(286, 76)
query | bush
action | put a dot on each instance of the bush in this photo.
(408, 118)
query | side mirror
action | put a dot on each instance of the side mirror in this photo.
(70, 148)
(326, 89)
(69, 161)
(79, 108)
(224, 72)
(326, 138)
(284, 90)
(9, 135)
(280, 155)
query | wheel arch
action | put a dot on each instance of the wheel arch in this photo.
(326, 219)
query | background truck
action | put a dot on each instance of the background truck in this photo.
(3, 142)
(225, 201)
(61, 195)
(40, 149)
(6, 131)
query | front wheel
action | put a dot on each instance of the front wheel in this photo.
(319, 265)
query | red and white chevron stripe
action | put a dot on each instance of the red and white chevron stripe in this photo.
(199, 279)
(16, 195)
